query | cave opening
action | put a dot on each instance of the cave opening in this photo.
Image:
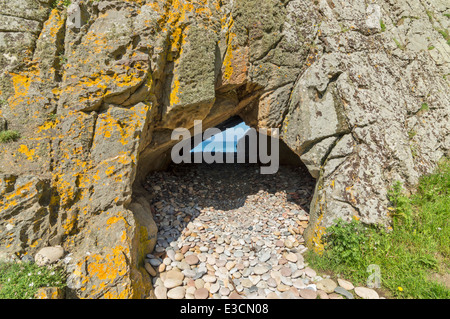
(222, 224)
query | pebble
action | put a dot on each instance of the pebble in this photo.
(343, 292)
(224, 291)
(366, 293)
(155, 262)
(259, 270)
(322, 294)
(345, 284)
(299, 284)
(176, 293)
(161, 292)
(150, 269)
(326, 285)
(173, 279)
(209, 278)
(214, 288)
(307, 294)
(272, 295)
(192, 260)
(201, 293)
(228, 223)
(310, 272)
(291, 257)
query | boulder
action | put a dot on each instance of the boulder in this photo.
(48, 255)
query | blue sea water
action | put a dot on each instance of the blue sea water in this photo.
(225, 142)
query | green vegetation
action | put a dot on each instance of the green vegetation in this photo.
(62, 59)
(383, 26)
(430, 15)
(22, 280)
(408, 253)
(445, 35)
(9, 136)
(424, 107)
(64, 3)
(411, 134)
(399, 45)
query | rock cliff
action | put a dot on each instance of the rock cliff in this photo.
(359, 90)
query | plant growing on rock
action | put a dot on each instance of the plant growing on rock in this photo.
(9, 136)
(22, 280)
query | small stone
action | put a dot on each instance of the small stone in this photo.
(297, 273)
(199, 283)
(288, 243)
(282, 261)
(150, 269)
(224, 291)
(161, 292)
(291, 257)
(221, 263)
(211, 260)
(307, 294)
(178, 257)
(326, 285)
(264, 257)
(246, 283)
(299, 284)
(335, 296)
(286, 271)
(220, 249)
(155, 262)
(171, 254)
(214, 288)
(347, 285)
(366, 293)
(272, 295)
(311, 286)
(271, 282)
(209, 278)
(282, 288)
(173, 279)
(322, 294)
(192, 260)
(259, 270)
(190, 273)
(343, 292)
(190, 290)
(48, 255)
(201, 293)
(176, 293)
(229, 265)
(310, 272)
(235, 295)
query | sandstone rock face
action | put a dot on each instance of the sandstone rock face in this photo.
(359, 90)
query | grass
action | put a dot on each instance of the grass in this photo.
(64, 3)
(399, 45)
(22, 280)
(382, 26)
(9, 136)
(415, 247)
